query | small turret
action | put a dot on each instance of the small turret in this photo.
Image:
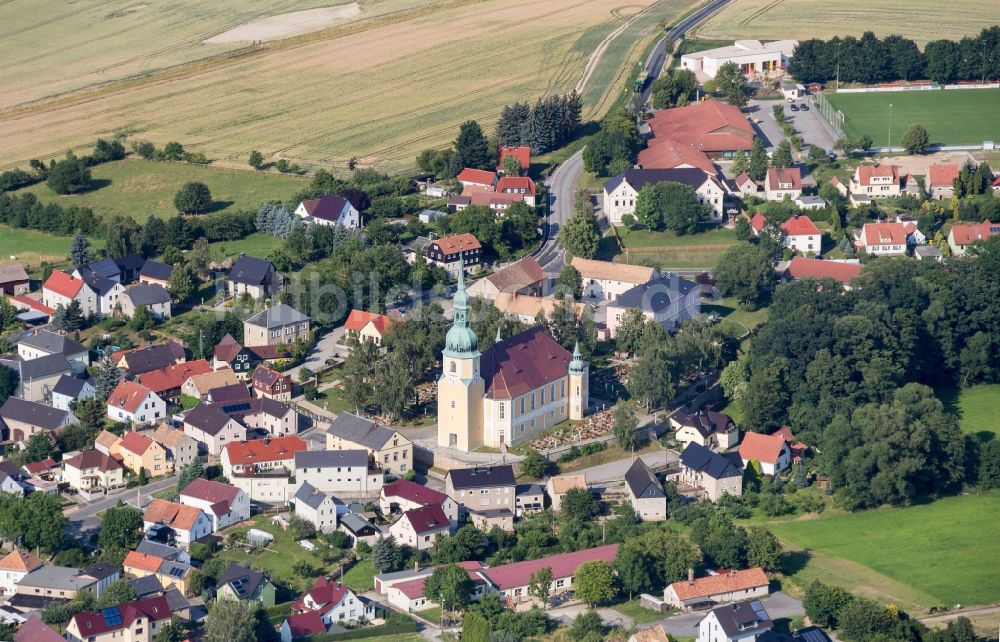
(577, 365)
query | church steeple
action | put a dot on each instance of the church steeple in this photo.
(461, 341)
(577, 365)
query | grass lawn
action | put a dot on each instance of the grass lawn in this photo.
(360, 577)
(333, 400)
(638, 613)
(611, 453)
(278, 559)
(712, 236)
(935, 554)
(668, 250)
(953, 117)
(734, 316)
(31, 247)
(138, 188)
(732, 409)
(257, 244)
(396, 637)
(432, 614)
(977, 409)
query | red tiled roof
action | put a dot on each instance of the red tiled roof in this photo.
(305, 624)
(709, 126)
(722, 583)
(799, 226)
(804, 268)
(135, 443)
(94, 623)
(522, 154)
(966, 234)
(128, 395)
(477, 176)
(413, 492)
(41, 466)
(276, 449)
(173, 376)
(757, 222)
(92, 459)
(515, 184)
(426, 518)
(942, 175)
(211, 491)
(763, 448)
(358, 319)
(668, 154)
(64, 284)
(458, 242)
(324, 591)
(523, 363)
(20, 562)
(787, 175)
(743, 179)
(177, 516)
(227, 349)
(491, 199)
(412, 589)
(508, 576)
(31, 303)
(34, 630)
(865, 173)
(143, 561)
(884, 234)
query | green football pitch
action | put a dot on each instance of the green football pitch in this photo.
(951, 117)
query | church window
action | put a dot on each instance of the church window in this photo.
(452, 404)
(453, 366)
(501, 410)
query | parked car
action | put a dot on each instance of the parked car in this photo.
(805, 107)
(795, 107)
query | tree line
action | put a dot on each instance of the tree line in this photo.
(548, 124)
(870, 59)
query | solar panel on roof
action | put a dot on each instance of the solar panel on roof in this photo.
(758, 610)
(236, 407)
(112, 616)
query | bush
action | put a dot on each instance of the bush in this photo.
(69, 176)
(193, 198)
(410, 475)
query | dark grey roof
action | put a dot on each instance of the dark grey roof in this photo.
(156, 270)
(35, 414)
(358, 430)
(69, 386)
(39, 368)
(175, 600)
(146, 586)
(162, 551)
(206, 418)
(148, 294)
(106, 268)
(51, 342)
(131, 262)
(705, 422)
(25, 603)
(328, 207)
(639, 178)
(740, 618)
(482, 477)
(173, 568)
(143, 360)
(250, 270)
(355, 523)
(328, 458)
(716, 466)
(528, 489)
(656, 295)
(12, 273)
(277, 316)
(308, 495)
(642, 482)
(100, 570)
(232, 392)
(244, 581)
(97, 283)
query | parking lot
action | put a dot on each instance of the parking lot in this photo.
(808, 124)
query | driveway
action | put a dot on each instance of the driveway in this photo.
(326, 348)
(778, 606)
(83, 517)
(615, 470)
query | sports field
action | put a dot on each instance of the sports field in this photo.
(937, 554)
(379, 88)
(920, 20)
(954, 117)
(138, 188)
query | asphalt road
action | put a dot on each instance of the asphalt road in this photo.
(83, 518)
(562, 186)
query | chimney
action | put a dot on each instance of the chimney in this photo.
(690, 575)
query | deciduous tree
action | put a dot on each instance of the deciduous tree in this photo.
(594, 582)
(193, 198)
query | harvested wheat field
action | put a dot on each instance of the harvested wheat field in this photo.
(920, 20)
(379, 90)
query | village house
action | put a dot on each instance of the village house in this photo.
(277, 325)
(668, 300)
(139, 452)
(940, 184)
(481, 178)
(405, 589)
(156, 273)
(134, 403)
(200, 385)
(230, 354)
(153, 297)
(521, 153)
(770, 451)
(304, 626)
(39, 343)
(334, 602)
(518, 185)
(418, 527)
(714, 430)
(105, 268)
(486, 493)
(387, 446)
(316, 507)
(36, 378)
(738, 622)
(526, 308)
(960, 237)
(877, 181)
(102, 293)
(253, 277)
(528, 498)
(244, 584)
(498, 202)
(607, 280)
(93, 471)
(714, 473)
(186, 522)
(344, 472)
(181, 449)
(61, 289)
(525, 276)
(718, 130)
(781, 182)
(262, 468)
(511, 581)
(168, 573)
(745, 185)
(14, 280)
(455, 252)
(798, 233)
(156, 357)
(402, 495)
(69, 390)
(212, 428)
(801, 267)
(645, 492)
(359, 529)
(366, 326)
(887, 239)
(13, 567)
(329, 210)
(167, 383)
(136, 621)
(271, 384)
(622, 192)
(25, 418)
(224, 504)
(752, 57)
(557, 487)
(720, 588)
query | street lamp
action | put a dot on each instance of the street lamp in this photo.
(890, 127)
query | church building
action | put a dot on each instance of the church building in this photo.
(521, 386)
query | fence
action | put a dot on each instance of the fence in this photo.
(833, 116)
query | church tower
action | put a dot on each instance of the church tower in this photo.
(579, 385)
(461, 387)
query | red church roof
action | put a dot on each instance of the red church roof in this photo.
(522, 363)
